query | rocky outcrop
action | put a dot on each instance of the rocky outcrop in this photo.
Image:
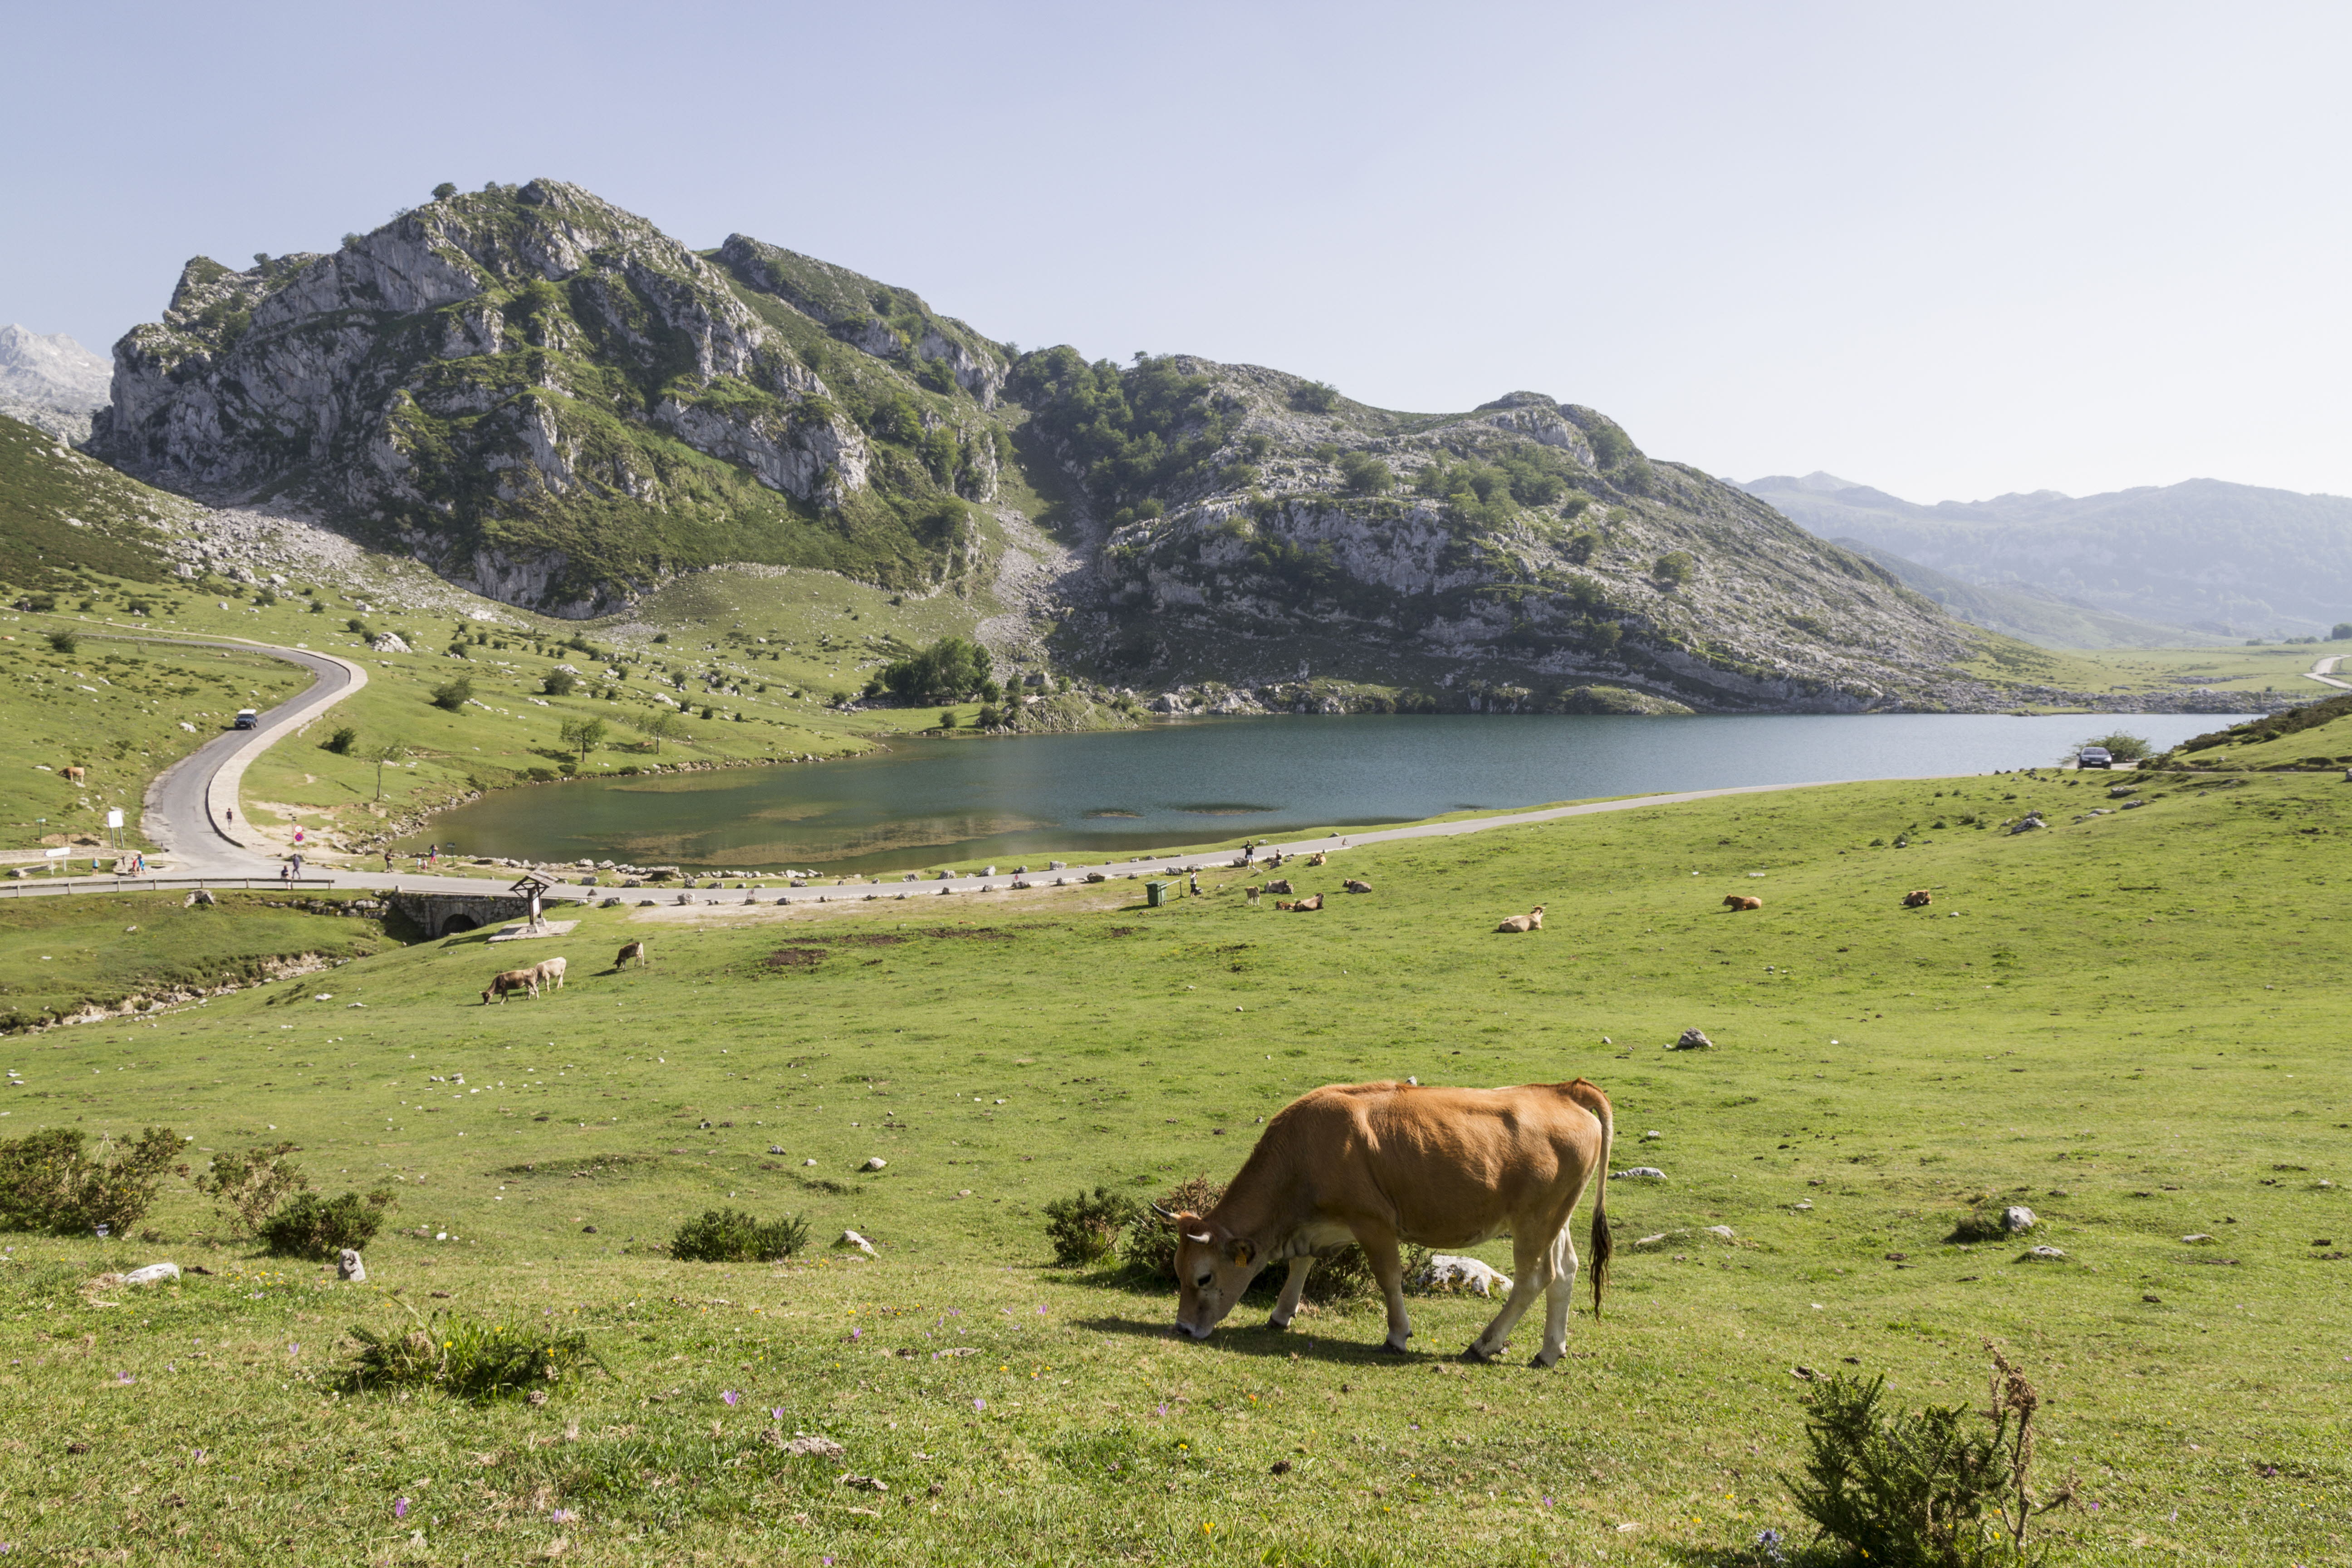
(50, 382)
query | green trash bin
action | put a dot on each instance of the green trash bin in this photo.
(1155, 894)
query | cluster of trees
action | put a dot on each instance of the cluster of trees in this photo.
(951, 670)
(1136, 431)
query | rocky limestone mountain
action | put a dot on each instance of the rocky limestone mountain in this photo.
(554, 404)
(2215, 559)
(545, 399)
(51, 382)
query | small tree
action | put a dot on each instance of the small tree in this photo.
(379, 756)
(1315, 397)
(444, 191)
(662, 726)
(453, 695)
(947, 719)
(583, 735)
(248, 1185)
(1366, 474)
(558, 683)
(64, 642)
(2343, 632)
(2124, 748)
(341, 742)
(1674, 568)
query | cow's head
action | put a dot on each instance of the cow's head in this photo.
(1213, 1267)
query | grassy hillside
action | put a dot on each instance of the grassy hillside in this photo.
(2119, 1021)
(62, 514)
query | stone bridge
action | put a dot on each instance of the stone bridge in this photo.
(446, 914)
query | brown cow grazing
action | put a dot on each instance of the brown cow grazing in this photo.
(1353, 886)
(76, 775)
(1742, 901)
(550, 973)
(1281, 885)
(1385, 1163)
(512, 980)
(1918, 898)
(636, 950)
(1531, 921)
(1308, 904)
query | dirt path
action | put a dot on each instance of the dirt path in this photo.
(2325, 673)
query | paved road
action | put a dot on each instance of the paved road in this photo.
(2325, 673)
(191, 812)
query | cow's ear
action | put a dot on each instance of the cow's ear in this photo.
(1240, 1252)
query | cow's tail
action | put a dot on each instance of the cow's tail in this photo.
(1589, 1095)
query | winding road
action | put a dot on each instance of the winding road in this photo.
(2325, 672)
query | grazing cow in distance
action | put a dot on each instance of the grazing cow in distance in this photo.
(1742, 901)
(1281, 885)
(1918, 898)
(512, 980)
(1531, 921)
(549, 974)
(636, 950)
(1389, 1163)
(1308, 904)
(76, 775)
(1353, 886)
(1253, 891)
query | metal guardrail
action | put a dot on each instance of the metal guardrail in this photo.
(54, 886)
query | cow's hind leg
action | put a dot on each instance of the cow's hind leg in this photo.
(1286, 1307)
(1388, 1269)
(1558, 1296)
(1531, 1257)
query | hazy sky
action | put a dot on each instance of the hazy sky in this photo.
(1951, 250)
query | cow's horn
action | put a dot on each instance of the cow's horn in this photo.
(1164, 1214)
(1204, 1238)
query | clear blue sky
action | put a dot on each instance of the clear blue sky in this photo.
(1949, 250)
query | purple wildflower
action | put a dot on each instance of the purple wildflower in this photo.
(730, 1397)
(979, 1405)
(1040, 1312)
(125, 1377)
(777, 1414)
(400, 1507)
(1546, 1502)
(856, 1333)
(1163, 1407)
(565, 1516)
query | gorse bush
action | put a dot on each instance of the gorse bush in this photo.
(463, 1358)
(454, 695)
(309, 1226)
(249, 1184)
(732, 1235)
(1943, 1487)
(50, 1182)
(1086, 1229)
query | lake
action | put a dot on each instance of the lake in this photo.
(1206, 780)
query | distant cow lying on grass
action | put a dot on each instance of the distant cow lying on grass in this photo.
(1384, 1164)
(636, 950)
(512, 980)
(1354, 886)
(1531, 921)
(1308, 904)
(1742, 901)
(1918, 898)
(1280, 885)
(1315, 859)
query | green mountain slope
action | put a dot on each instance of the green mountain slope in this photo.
(2024, 612)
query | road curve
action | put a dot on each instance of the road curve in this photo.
(2325, 673)
(191, 809)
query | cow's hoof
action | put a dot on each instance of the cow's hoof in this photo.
(1477, 1357)
(1545, 1358)
(1279, 1325)
(1391, 1347)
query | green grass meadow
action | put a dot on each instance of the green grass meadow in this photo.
(2130, 1023)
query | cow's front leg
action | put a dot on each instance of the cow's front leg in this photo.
(1388, 1269)
(1286, 1307)
(1532, 1261)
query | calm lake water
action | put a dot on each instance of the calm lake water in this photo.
(1204, 781)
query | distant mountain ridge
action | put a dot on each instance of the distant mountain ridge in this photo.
(2215, 559)
(51, 382)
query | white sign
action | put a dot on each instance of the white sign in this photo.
(56, 854)
(114, 817)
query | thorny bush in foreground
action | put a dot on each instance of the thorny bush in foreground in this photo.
(732, 1235)
(50, 1182)
(1087, 1229)
(309, 1227)
(248, 1185)
(1913, 1489)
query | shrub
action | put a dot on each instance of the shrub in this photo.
(64, 642)
(453, 695)
(49, 1182)
(730, 1236)
(1674, 568)
(444, 191)
(2342, 632)
(947, 719)
(1315, 397)
(558, 683)
(309, 1227)
(1366, 474)
(1087, 1229)
(341, 742)
(1914, 1487)
(356, 627)
(248, 1185)
(463, 1358)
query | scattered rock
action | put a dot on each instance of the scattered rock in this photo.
(775, 1147)
(2043, 1255)
(1444, 1272)
(1640, 1174)
(2197, 1238)
(852, 1241)
(201, 896)
(1692, 1040)
(806, 1446)
(2017, 1219)
(874, 1164)
(153, 1273)
(351, 1266)
(1722, 1230)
